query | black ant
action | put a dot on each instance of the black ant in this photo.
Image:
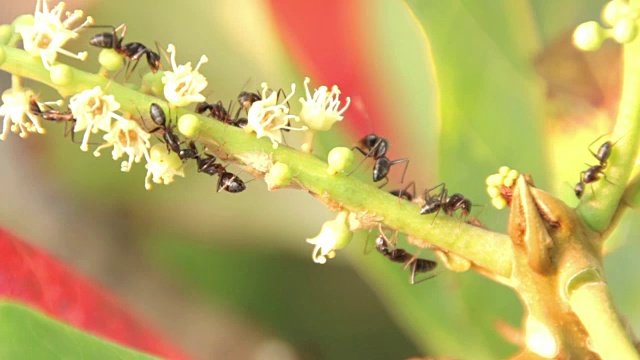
(594, 172)
(226, 181)
(246, 99)
(217, 111)
(53, 115)
(171, 139)
(376, 147)
(132, 51)
(417, 264)
(405, 193)
(448, 204)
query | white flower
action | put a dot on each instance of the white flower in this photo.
(320, 111)
(162, 166)
(268, 118)
(17, 114)
(334, 235)
(127, 138)
(93, 111)
(183, 85)
(48, 34)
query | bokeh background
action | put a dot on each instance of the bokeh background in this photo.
(230, 276)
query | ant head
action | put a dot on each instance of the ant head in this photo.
(246, 99)
(579, 189)
(153, 59)
(369, 141)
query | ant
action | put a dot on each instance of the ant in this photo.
(377, 149)
(171, 139)
(226, 181)
(594, 172)
(132, 51)
(417, 264)
(53, 115)
(405, 193)
(246, 99)
(433, 204)
(217, 111)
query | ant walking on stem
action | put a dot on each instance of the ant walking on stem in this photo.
(416, 264)
(594, 172)
(375, 147)
(132, 51)
(227, 181)
(171, 139)
(448, 204)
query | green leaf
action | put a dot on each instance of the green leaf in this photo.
(491, 114)
(28, 334)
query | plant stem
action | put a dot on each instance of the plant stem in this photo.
(592, 304)
(598, 210)
(488, 250)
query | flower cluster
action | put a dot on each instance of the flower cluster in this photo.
(621, 16)
(17, 113)
(268, 117)
(49, 33)
(500, 186)
(94, 111)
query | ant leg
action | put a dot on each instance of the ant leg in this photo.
(413, 191)
(385, 183)
(427, 193)
(406, 166)
(414, 265)
(428, 277)
(366, 155)
(127, 77)
(595, 141)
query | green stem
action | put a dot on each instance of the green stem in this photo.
(592, 304)
(597, 208)
(489, 250)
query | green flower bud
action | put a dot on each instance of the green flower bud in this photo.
(499, 203)
(625, 30)
(339, 159)
(61, 74)
(588, 36)
(24, 20)
(614, 11)
(278, 176)
(6, 32)
(110, 59)
(493, 191)
(152, 84)
(189, 125)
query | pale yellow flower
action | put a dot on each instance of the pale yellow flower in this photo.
(268, 118)
(49, 33)
(183, 85)
(334, 235)
(320, 111)
(162, 166)
(17, 114)
(93, 111)
(127, 138)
